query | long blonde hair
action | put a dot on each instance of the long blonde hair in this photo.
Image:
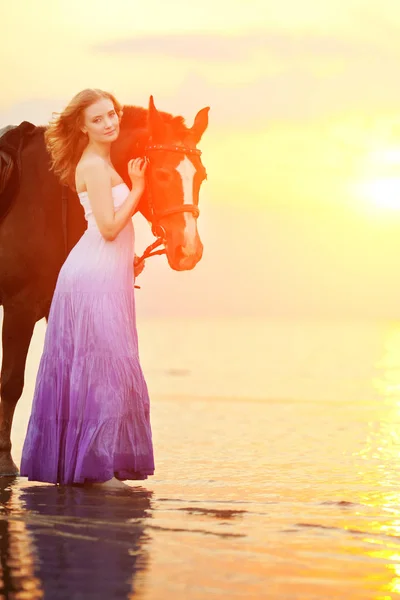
(64, 139)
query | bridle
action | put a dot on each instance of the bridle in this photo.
(156, 216)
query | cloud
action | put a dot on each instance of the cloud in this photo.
(36, 110)
(293, 95)
(273, 75)
(232, 48)
(297, 77)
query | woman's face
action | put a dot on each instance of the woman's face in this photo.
(100, 121)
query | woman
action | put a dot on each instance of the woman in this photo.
(90, 419)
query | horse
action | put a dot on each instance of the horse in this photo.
(45, 220)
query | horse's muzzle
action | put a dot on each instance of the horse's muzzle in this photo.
(180, 260)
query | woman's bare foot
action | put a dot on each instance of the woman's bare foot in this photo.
(113, 483)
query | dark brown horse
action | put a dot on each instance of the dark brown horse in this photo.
(46, 220)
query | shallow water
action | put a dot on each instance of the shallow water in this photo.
(292, 494)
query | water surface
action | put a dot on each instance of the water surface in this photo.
(277, 474)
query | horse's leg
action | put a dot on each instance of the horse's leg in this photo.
(18, 325)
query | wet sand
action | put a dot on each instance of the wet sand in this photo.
(276, 498)
(250, 500)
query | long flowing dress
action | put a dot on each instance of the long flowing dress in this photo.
(90, 417)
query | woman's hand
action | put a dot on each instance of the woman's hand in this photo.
(136, 171)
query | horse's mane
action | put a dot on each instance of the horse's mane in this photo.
(137, 117)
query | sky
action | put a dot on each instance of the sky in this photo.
(300, 216)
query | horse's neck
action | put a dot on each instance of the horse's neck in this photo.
(141, 140)
(132, 144)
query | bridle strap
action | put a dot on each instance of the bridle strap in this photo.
(174, 148)
(157, 229)
(179, 209)
(150, 251)
(183, 208)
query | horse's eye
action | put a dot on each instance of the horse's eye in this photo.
(163, 175)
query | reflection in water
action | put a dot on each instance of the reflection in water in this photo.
(73, 542)
(18, 579)
(382, 451)
(295, 494)
(388, 384)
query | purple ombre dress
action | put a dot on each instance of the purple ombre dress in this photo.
(90, 416)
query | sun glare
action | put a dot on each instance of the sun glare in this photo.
(379, 180)
(382, 192)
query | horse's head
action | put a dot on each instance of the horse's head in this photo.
(173, 177)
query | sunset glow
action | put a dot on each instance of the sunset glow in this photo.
(302, 150)
(382, 192)
(259, 351)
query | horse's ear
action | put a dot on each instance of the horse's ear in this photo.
(200, 124)
(156, 123)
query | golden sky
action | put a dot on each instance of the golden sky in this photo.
(301, 212)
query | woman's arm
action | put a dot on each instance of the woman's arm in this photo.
(98, 185)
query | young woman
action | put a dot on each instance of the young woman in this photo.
(90, 419)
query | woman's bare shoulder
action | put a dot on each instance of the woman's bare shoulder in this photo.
(88, 165)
